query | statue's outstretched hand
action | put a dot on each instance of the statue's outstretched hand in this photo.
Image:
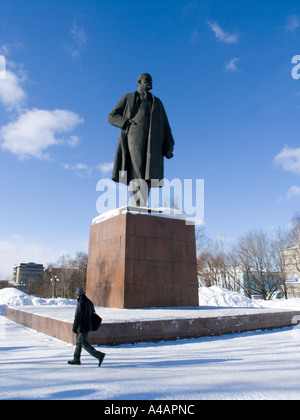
(169, 155)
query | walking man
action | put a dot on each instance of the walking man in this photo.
(81, 327)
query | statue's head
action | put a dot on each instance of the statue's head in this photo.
(144, 82)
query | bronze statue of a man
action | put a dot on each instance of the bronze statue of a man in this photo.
(145, 138)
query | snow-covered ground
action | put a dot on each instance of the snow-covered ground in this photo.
(253, 365)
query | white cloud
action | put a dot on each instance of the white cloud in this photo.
(17, 249)
(2, 68)
(6, 49)
(73, 140)
(106, 167)
(224, 239)
(232, 65)
(81, 169)
(294, 191)
(289, 160)
(32, 131)
(195, 36)
(77, 43)
(12, 94)
(221, 35)
(292, 23)
(36, 130)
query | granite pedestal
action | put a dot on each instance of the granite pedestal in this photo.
(146, 325)
(142, 260)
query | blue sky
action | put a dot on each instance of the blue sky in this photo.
(223, 71)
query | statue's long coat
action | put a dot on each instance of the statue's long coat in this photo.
(160, 139)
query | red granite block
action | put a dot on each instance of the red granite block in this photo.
(142, 261)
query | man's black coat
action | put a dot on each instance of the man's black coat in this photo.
(83, 315)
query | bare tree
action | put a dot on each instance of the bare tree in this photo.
(252, 263)
(258, 255)
(295, 230)
(213, 264)
(62, 278)
(283, 239)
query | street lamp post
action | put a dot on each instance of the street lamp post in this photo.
(53, 280)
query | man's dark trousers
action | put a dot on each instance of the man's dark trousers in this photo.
(81, 341)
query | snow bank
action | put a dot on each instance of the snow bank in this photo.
(292, 304)
(14, 297)
(218, 296)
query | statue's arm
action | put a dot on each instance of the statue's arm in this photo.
(116, 117)
(169, 140)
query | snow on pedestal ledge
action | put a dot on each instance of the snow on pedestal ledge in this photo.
(161, 212)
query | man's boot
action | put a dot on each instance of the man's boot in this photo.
(74, 362)
(101, 358)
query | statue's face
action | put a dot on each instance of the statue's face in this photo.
(145, 84)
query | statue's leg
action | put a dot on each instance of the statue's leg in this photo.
(139, 190)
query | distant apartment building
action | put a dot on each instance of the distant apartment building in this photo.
(290, 262)
(26, 273)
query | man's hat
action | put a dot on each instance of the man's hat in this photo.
(80, 292)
